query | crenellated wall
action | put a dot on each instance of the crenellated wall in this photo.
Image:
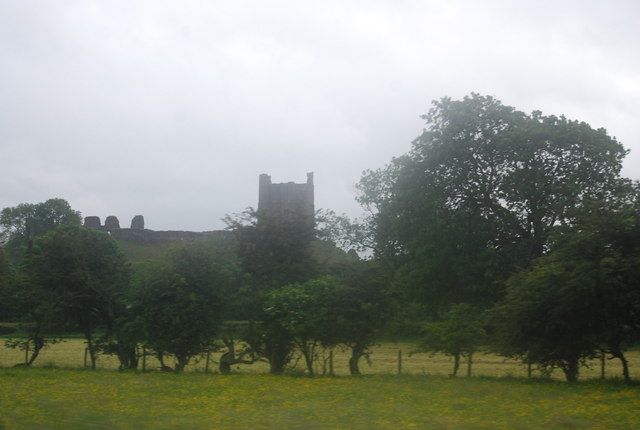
(138, 234)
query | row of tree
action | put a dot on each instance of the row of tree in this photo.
(498, 230)
(268, 292)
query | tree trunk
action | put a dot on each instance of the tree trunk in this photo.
(226, 359)
(232, 357)
(277, 362)
(276, 366)
(617, 352)
(308, 351)
(181, 362)
(456, 364)
(88, 335)
(625, 367)
(469, 361)
(278, 354)
(571, 370)
(225, 362)
(38, 344)
(357, 351)
(353, 364)
(128, 357)
(308, 359)
(163, 366)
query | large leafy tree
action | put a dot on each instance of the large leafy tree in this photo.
(80, 276)
(301, 312)
(325, 312)
(25, 302)
(547, 317)
(458, 333)
(180, 305)
(273, 252)
(178, 318)
(362, 305)
(580, 299)
(19, 225)
(480, 192)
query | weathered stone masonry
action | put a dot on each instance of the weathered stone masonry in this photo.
(285, 199)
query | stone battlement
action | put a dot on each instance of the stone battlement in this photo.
(112, 223)
(138, 234)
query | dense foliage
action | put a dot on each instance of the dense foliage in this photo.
(179, 307)
(480, 192)
(479, 198)
(7, 280)
(579, 300)
(19, 225)
(77, 275)
(458, 333)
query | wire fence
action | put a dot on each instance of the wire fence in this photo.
(385, 358)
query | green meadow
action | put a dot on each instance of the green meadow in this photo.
(65, 398)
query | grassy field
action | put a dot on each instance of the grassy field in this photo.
(63, 398)
(384, 360)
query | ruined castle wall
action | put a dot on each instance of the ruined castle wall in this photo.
(111, 222)
(141, 236)
(275, 200)
(138, 222)
(138, 234)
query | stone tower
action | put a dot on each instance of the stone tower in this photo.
(286, 200)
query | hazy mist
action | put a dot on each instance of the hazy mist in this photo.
(171, 109)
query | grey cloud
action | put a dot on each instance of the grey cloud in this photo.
(172, 109)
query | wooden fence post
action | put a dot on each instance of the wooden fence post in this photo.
(602, 365)
(399, 362)
(144, 359)
(26, 354)
(206, 365)
(86, 351)
(331, 362)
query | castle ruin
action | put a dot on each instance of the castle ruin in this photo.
(281, 201)
(138, 234)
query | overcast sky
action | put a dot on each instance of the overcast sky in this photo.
(171, 109)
